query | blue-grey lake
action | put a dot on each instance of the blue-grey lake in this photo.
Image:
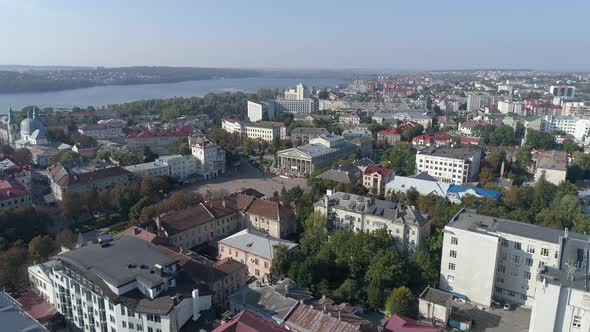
(115, 94)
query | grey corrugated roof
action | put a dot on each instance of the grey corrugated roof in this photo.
(14, 318)
(256, 243)
(111, 263)
(436, 296)
(468, 219)
(266, 302)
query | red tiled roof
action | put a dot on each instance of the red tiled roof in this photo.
(246, 321)
(392, 131)
(385, 172)
(142, 234)
(403, 324)
(323, 315)
(12, 189)
(179, 221)
(471, 140)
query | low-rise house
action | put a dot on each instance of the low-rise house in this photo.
(325, 315)
(302, 117)
(102, 130)
(271, 218)
(254, 249)
(466, 142)
(348, 173)
(390, 135)
(198, 224)
(14, 195)
(435, 306)
(86, 150)
(443, 139)
(375, 178)
(274, 303)
(550, 163)
(399, 323)
(302, 135)
(358, 132)
(469, 127)
(247, 321)
(84, 179)
(356, 213)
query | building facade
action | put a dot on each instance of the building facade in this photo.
(514, 253)
(254, 249)
(321, 152)
(102, 131)
(356, 213)
(210, 157)
(125, 285)
(375, 178)
(78, 180)
(306, 105)
(459, 165)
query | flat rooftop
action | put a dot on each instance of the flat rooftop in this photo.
(455, 153)
(123, 260)
(470, 220)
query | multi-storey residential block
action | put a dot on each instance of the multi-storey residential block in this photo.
(485, 257)
(254, 249)
(209, 155)
(259, 110)
(356, 213)
(101, 131)
(562, 292)
(321, 152)
(83, 179)
(375, 178)
(125, 284)
(198, 224)
(270, 217)
(458, 165)
(565, 91)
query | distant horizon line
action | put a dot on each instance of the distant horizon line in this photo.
(371, 70)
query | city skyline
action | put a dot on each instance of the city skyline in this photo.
(305, 35)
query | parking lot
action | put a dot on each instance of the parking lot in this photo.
(247, 176)
(495, 319)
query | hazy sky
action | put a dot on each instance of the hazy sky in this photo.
(391, 34)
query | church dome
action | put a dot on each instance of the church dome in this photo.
(27, 126)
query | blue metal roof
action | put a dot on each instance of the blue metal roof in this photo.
(493, 194)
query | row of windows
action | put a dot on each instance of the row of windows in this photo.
(530, 248)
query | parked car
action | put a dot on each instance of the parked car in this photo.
(496, 303)
(507, 306)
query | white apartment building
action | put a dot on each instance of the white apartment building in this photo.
(356, 213)
(298, 93)
(506, 107)
(474, 102)
(485, 258)
(577, 127)
(210, 157)
(449, 165)
(264, 132)
(565, 91)
(306, 105)
(179, 166)
(256, 110)
(102, 130)
(562, 293)
(121, 285)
